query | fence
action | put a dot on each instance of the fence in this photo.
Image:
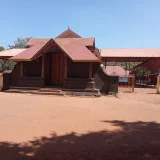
(126, 83)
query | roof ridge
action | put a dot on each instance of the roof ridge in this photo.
(66, 32)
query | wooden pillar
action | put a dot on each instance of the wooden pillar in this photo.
(126, 69)
(133, 82)
(65, 66)
(158, 84)
(155, 66)
(21, 70)
(42, 73)
(90, 70)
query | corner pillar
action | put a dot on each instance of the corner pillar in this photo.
(21, 69)
(65, 66)
(90, 70)
(42, 73)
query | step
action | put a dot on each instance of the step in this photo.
(25, 88)
(34, 92)
(50, 90)
(73, 93)
(81, 90)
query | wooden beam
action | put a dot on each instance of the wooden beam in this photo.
(21, 69)
(42, 73)
(133, 82)
(90, 70)
(65, 66)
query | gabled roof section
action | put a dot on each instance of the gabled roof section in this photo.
(68, 34)
(77, 52)
(83, 41)
(35, 41)
(29, 53)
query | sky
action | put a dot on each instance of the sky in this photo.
(113, 23)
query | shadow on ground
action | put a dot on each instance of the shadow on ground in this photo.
(134, 141)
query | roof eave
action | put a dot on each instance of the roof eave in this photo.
(82, 60)
(20, 60)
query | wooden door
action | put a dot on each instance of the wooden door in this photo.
(57, 69)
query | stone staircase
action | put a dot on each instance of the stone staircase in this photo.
(36, 90)
(54, 91)
(82, 92)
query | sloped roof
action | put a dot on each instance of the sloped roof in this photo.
(118, 70)
(131, 52)
(83, 41)
(75, 51)
(150, 64)
(29, 53)
(35, 41)
(11, 52)
(68, 34)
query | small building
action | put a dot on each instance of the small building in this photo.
(117, 70)
(67, 61)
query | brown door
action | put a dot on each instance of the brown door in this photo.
(57, 69)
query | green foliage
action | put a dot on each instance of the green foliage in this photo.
(2, 48)
(124, 65)
(8, 65)
(20, 43)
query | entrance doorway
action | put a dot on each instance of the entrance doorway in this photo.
(57, 68)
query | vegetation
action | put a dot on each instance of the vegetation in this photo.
(124, 65)
(8, 65)
(20, 43)
(2, 48)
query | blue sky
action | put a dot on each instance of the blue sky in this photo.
(114, 23)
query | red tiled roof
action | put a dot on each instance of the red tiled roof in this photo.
(83, 41)
(35, 41)
(131, 52)
(68, 34)
(76, 51)
(29, 53)
(118, 70)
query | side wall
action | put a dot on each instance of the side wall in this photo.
(31, 75)
(80, 69)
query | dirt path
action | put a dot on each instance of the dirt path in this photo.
(48, 127)
(142, 94)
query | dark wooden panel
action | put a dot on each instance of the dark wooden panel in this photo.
(33, 68)
(78, 69)
(31, 82)
(57, 69)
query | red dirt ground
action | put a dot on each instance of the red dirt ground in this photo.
(60, 128)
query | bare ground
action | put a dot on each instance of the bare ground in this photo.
(49, 127)
(141, 94)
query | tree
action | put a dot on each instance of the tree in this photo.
(8, 65)
(1, 48)
(20, 43)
